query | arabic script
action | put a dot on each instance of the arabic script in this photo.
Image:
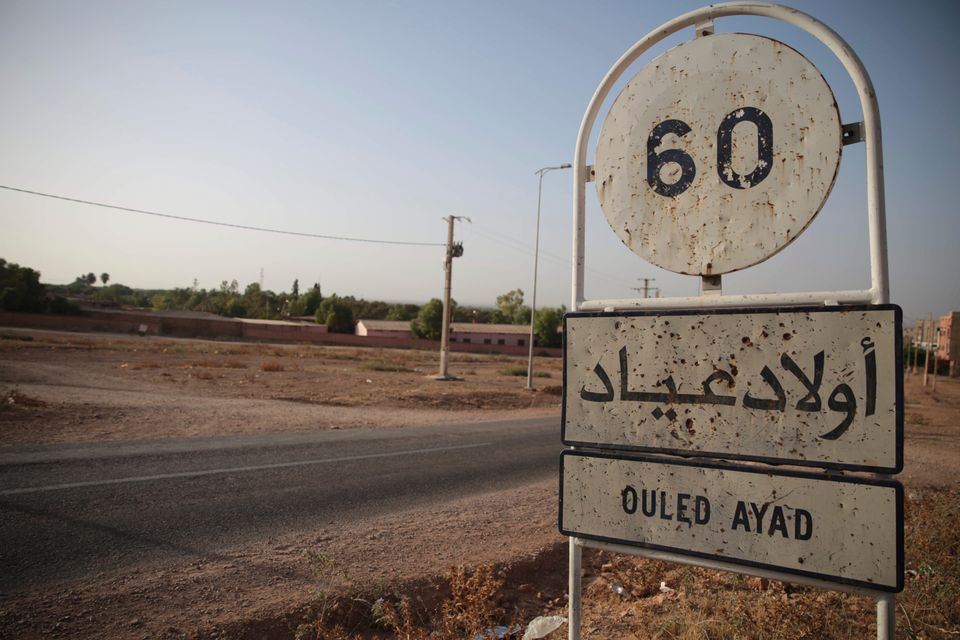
(841, 398)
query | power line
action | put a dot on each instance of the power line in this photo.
(525, 249)
(223, 224)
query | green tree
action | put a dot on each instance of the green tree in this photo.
(480, 315)
(402, 311)
(311, 300)
(173, 299)
(295, 289)
(293, 306)
(253, 300)
(511, 307)
(20, 288)
(60, 305)
(104, 277)
(337, 314)
(429, 321)
(371, 309)
(91, 278)
(234, 308)
(546, 326)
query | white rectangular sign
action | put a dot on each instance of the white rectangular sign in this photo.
(818, 386)
(845, 530)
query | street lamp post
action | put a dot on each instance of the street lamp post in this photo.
(536, 255)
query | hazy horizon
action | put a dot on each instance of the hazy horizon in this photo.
(376, 121)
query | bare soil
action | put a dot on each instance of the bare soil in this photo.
(84, 387)
(75, 388)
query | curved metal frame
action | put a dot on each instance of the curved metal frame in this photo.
(878, 293)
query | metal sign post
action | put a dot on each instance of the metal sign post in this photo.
(714, 157)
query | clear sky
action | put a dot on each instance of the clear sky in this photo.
(377, 119)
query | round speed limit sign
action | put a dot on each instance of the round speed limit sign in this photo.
(718, 153)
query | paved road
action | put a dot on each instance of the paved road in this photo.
(69, 511)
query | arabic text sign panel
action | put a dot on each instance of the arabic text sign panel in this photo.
(845, 530)
(816, 386)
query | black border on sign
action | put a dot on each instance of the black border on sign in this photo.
(893, 484)
(898, 347)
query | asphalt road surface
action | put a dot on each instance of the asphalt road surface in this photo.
(67, 511)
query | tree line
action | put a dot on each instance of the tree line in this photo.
(21, 290)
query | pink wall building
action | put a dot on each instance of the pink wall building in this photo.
(383, 328)
(515, 335)
(949, 349)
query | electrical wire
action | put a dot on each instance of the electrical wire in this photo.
(223, 224)
(521, 247)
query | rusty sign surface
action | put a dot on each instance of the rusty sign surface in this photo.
(718, 153)
(819, 386)
(846, 530)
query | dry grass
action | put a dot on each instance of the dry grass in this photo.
(16, 336)
(272, 367)
(707, 604)
(218, 364)
(522, 371)
(390, 367)
(470, 609)
(700, 604)
(929, 606)
(468, 612)
(140, 365)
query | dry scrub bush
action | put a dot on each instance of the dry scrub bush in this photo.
(470, 610)
(707, 604)
(271, 366)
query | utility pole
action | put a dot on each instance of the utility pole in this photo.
(926, 355)
(453, 251)
(936, 348)
(917, 337)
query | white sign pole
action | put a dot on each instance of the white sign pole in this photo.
(868, 131)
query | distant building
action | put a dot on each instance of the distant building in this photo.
(515, 335)
(948, 350)
(383, 328)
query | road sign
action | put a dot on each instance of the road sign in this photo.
(818, 386)
(843, 530)
(718, 153)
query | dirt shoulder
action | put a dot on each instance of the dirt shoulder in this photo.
(281, 581)
(61, 387)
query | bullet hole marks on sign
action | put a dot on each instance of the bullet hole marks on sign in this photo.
(841, 398)
(693, 509)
